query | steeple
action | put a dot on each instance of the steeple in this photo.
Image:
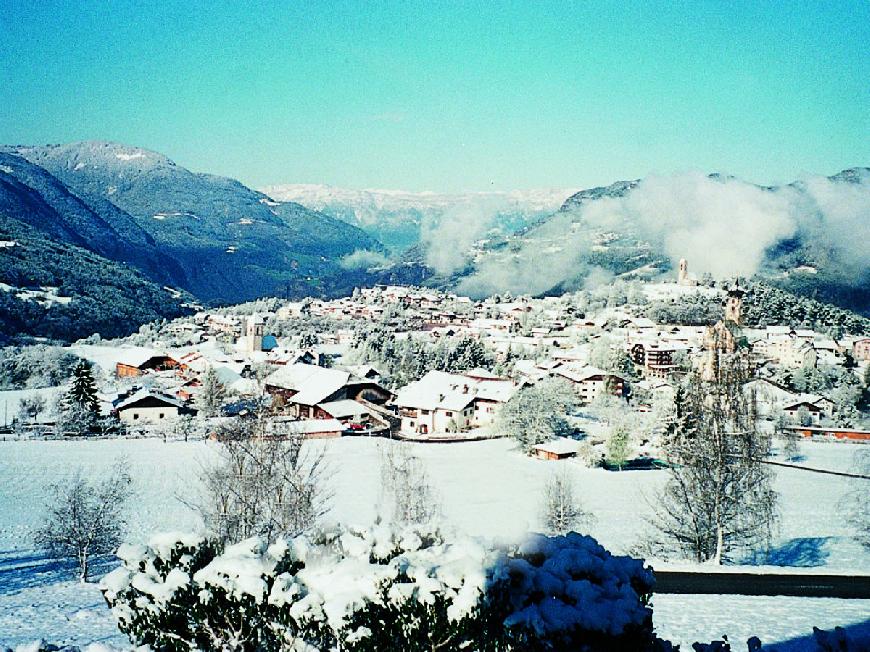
(683, 272)
(734, 304)
(254, 333)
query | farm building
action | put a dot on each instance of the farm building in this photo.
(299, 388)
(141, 361)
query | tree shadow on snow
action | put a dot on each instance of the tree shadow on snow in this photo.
(27, 569)
(804, 552)
(848, 637)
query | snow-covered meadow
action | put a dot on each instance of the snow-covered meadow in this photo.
(486, 489)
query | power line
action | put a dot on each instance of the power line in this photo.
(843, 474)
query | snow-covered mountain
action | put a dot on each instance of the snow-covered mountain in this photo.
(111, 225)
(805, 236)
(397, 217)
(213, 236)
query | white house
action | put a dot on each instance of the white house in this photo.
(441, 402)
(149, 407)
(591, 383)
(789, 350)
(817, 407)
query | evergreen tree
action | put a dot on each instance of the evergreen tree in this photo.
(78, 410)
(83, 389)
(618, 447)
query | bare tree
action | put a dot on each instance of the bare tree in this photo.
(562, 508)
(86, 516)
(407, 491)
(536, 414)
(30, 407)
(211, 395)
(719, 497)
(268, 481)
(854, 503)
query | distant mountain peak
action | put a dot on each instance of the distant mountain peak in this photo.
(97, 153)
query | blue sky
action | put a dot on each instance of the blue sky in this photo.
(447, 96)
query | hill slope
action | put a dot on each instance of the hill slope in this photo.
(215, 238)
(806, 237)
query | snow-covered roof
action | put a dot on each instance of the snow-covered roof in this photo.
(560, 446)
(481, 374)
(363, 370)
(148, 393)
(313, 384)
(137, 356)
(580, 374)
(343, 408)
(653, 384)
(226, 375)
(808, 399)
(441, 390)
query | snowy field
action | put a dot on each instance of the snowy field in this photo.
(486, 489)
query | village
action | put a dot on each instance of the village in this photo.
(319, 366)
(493, 418)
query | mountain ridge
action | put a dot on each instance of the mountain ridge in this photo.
(224, 241)
(635, 227)
(401, 218)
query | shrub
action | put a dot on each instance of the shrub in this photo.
(381, 589)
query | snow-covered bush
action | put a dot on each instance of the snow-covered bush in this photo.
(380, 588)
(569, 593)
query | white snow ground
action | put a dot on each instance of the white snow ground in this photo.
(486, 489)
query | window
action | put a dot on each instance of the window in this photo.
(425, 411)
(449, 414)
(135, 416)
(161, 415)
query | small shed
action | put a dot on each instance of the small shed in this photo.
(558, 449)
(344, 410)
(140, 361)
(318, 428)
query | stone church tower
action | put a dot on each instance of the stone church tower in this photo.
(725, 336)
(734, 304)
(254, 333)
(683, 272)
(683, 277)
